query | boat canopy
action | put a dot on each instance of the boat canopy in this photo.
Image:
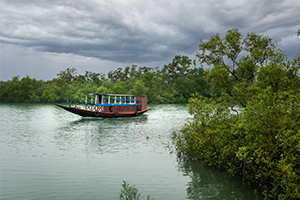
(110, 99)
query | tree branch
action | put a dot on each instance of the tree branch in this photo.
(236, 78)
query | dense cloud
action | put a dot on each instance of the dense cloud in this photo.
(137, 31)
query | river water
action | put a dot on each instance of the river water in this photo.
(48, 153)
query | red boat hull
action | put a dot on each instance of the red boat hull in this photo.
(106, 113)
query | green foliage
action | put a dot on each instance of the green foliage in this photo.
(173, 84)
(261, 143)
(235, 63)
(68, 75)
(273, 144)
(139, 89)
(130, 192)
(24, 90)
(253, 129)
(120, 88)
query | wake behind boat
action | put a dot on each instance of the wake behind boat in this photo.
(110, 105)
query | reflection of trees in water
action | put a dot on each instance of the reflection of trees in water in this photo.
(211, 183)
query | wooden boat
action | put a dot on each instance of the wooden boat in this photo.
(110, 105)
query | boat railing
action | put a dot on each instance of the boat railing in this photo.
(95, 98)
(89, 106)
(112, 103)
(118, 101)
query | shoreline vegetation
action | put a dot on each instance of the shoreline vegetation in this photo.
(172, 84)
(260, 141)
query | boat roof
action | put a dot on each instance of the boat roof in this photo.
(119, 95)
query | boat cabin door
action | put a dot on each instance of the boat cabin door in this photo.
(100, 99)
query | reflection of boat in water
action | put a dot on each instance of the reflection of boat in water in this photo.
(110, 105)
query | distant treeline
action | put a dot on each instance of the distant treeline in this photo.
(173, 83)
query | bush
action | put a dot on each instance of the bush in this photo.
(130, 192)
(260, 143)
(253, 128)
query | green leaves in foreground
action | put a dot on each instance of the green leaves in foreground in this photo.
(130, 192)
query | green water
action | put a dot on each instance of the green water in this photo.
(48, 153)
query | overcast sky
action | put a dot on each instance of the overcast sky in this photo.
(40, 38)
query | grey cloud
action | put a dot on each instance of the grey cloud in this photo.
(101, 30)
(140, 31)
